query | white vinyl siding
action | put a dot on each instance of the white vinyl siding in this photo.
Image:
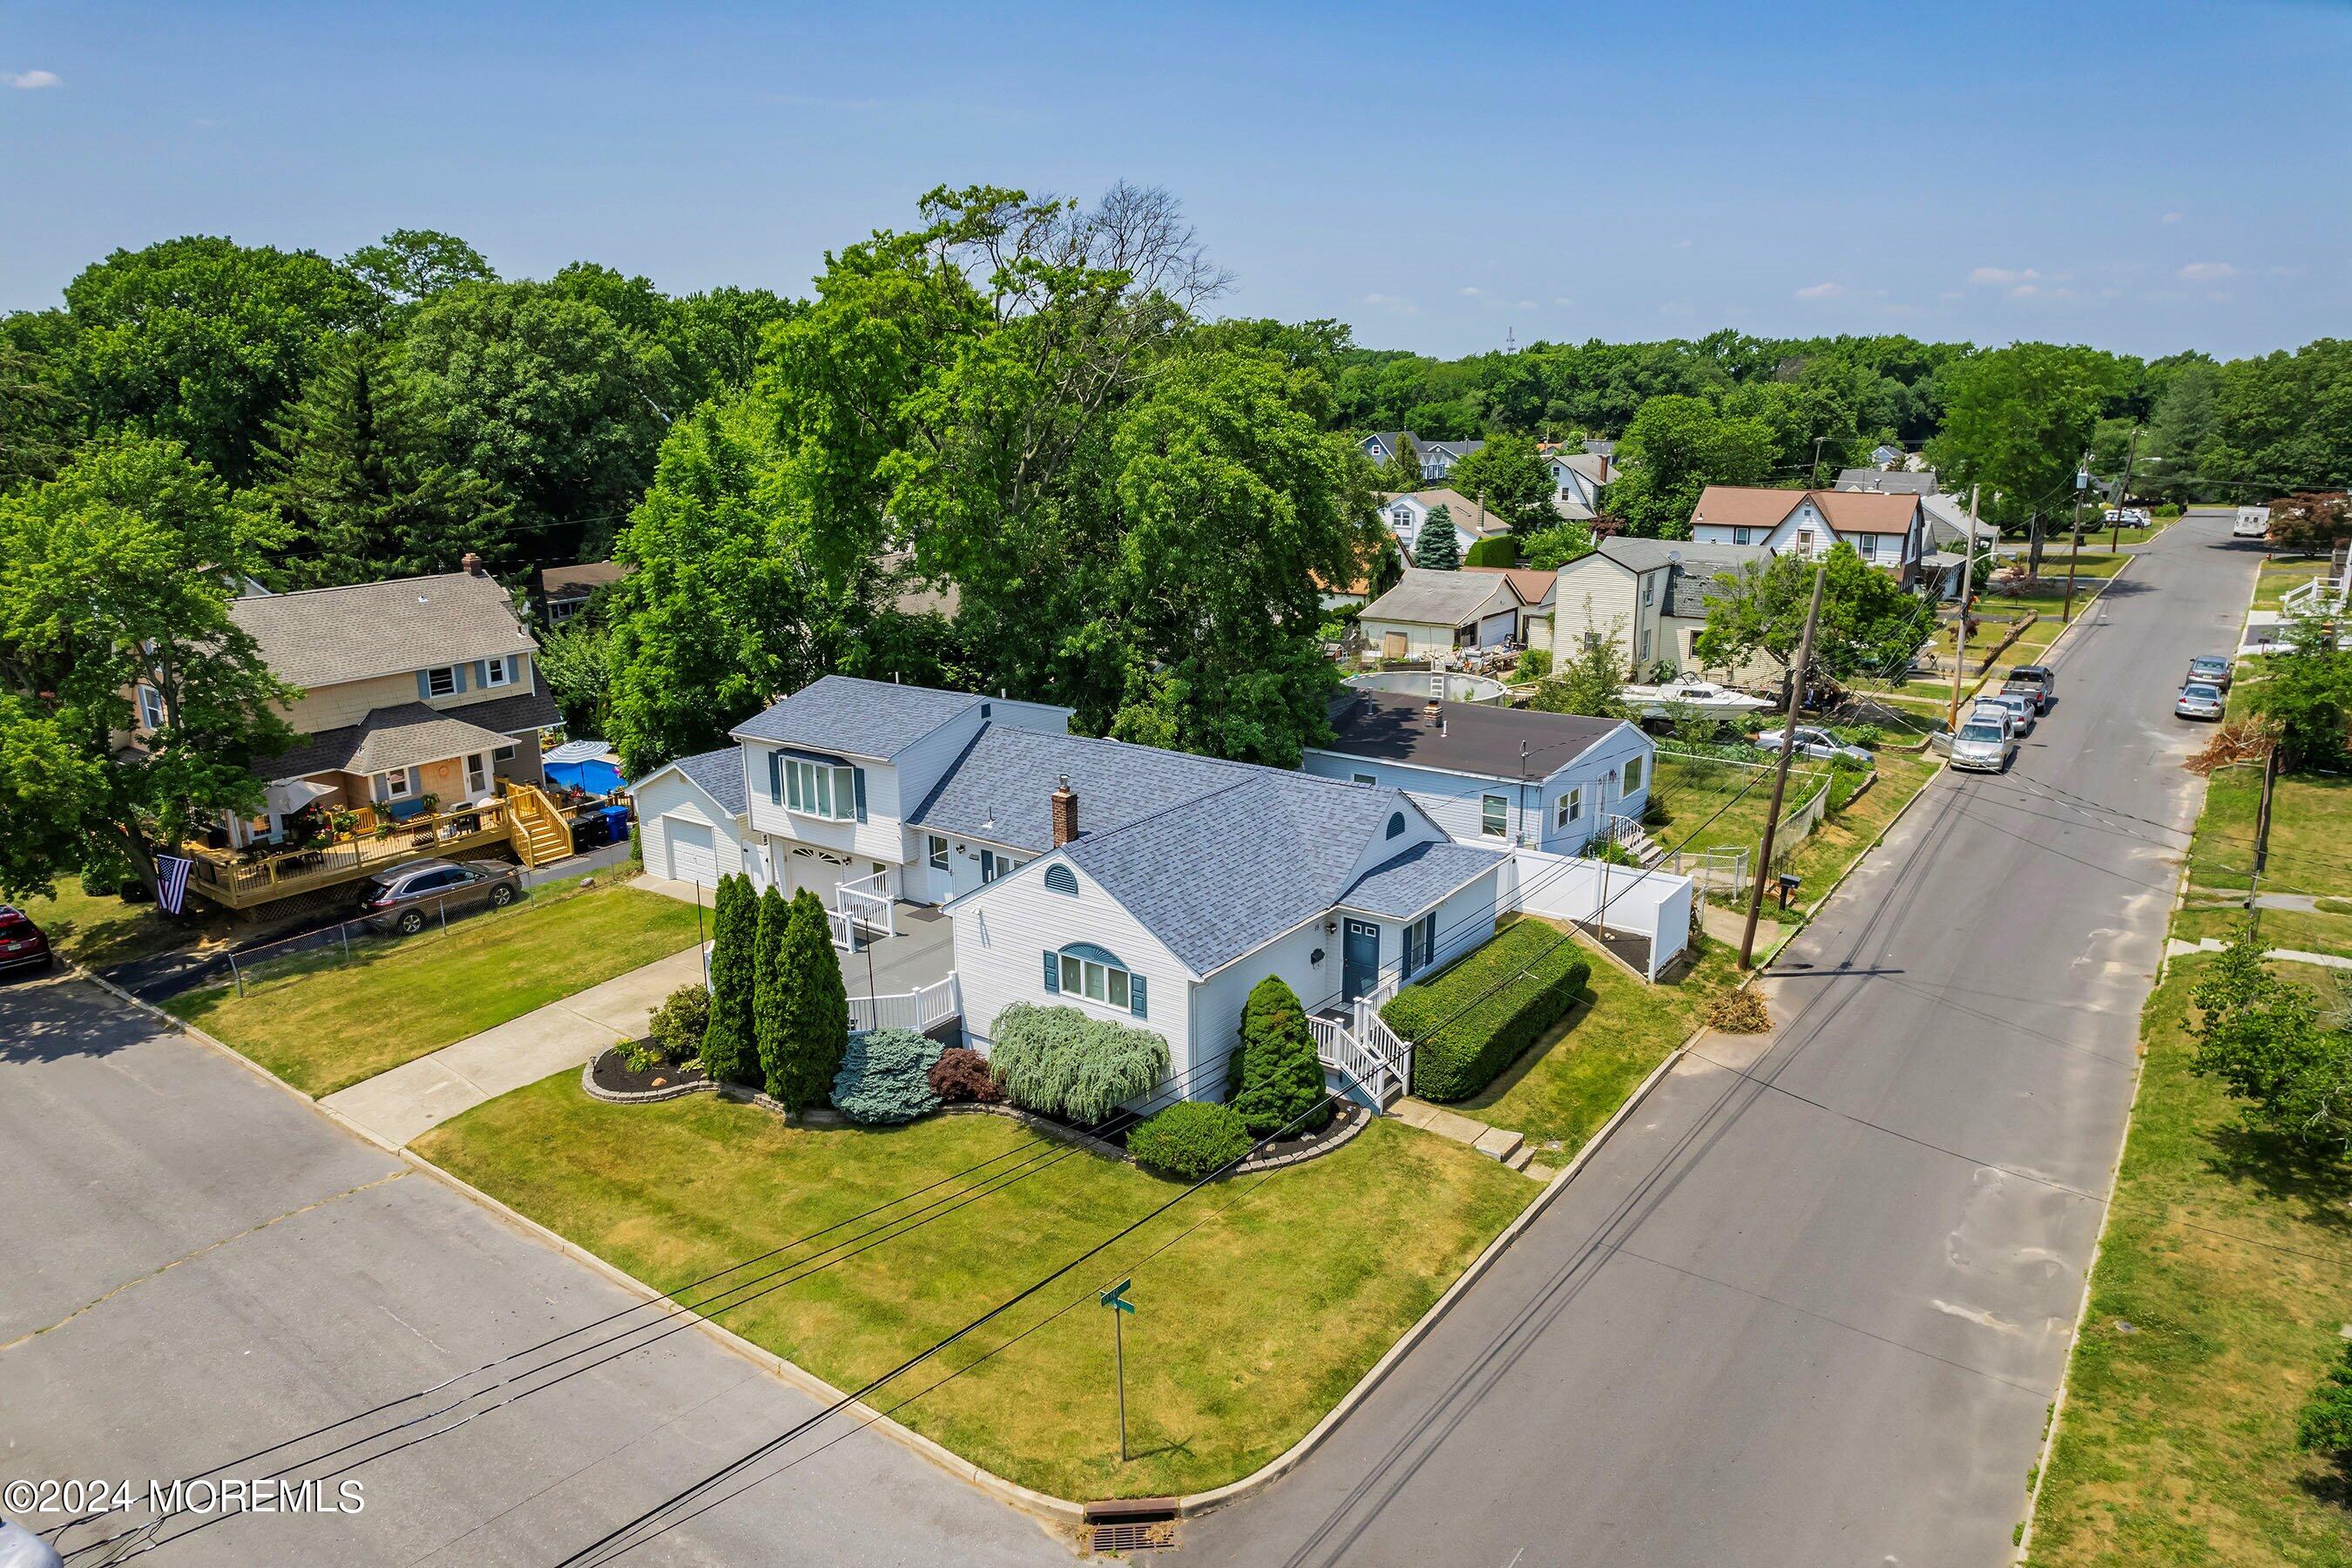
(670, 802)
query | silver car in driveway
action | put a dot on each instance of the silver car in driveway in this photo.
(408, 898)
(1982, 746)
(2199, 701)
(1818, 744)
(2020, 705)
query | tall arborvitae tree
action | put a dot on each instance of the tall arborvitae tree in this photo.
(815, 1025)
(1434, 548)
(729, 1052)
(771, 992)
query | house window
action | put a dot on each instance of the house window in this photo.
(1062, 879)
(1396, 825)
(478, 773)
(1645, 644)
(993, 865)
(1740, 536)
(1868, 543)
(151, 708)
(1494, 815)
(935, 850)
(441, 682)
(499, 671)
(1567, 807)
(1364, 778)
(1094, 974)
(1633, 775)
(1420, 937)
(1402, 519)
(394, 785)
(1649, 587)
(819, 789)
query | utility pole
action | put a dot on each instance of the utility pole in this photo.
(1780, 773)
(2116, 535)
(2262, 842)
(2082, 484)
(1960, 633)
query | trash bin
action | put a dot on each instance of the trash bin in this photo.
(616, 824)
(590, 831)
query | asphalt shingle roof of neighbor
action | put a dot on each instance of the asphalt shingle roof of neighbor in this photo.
(720, 775)
(1652, 554)
(583, 577)
(844, 715)
(322, 637)
(1000, 789)
(1460, 509)
(1532, 586)
(1849, 511)
(1476, 737)
(1423, 597)
(1403, 887)
(1888, 481)
(386, 737)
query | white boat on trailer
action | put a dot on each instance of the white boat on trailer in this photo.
(1705, 696)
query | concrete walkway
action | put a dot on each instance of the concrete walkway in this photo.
(2174, 947)
(398, 1105)
(1495, 1142)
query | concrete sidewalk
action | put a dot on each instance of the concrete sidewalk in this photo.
(398, 1105)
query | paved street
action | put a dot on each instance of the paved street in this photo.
(1813, 1323)
(199, 1266)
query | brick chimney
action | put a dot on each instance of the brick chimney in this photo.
(1065, 813)
(472, 564)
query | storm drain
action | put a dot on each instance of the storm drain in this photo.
(1147, 1536)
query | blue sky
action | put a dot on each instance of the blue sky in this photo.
(2146, 178)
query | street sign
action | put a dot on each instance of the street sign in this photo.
(1117, 1297)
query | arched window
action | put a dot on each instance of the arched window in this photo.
(1396, 824)
(1084, 969)
(1062, 879)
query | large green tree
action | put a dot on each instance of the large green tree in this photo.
(1867, 622)
(409, 265)
(1437, 548)
(1676, 447)
(2018, 421)
(41, 410)
(119, 575)
(1512, 478)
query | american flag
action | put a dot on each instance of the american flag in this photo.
(172, 882)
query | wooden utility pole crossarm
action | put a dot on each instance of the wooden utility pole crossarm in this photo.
(1780, 773)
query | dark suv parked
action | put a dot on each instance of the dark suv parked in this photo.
(406, 897)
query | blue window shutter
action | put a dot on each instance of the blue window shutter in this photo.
(482, 673)
(858, 782)
(415, 782)
(776, 777)
(1053, 975)
(1135, 1003)
(423, 689)
(458, 677)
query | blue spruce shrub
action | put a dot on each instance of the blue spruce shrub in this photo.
(886, 1078)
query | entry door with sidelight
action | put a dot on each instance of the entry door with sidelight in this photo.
(1359, 960)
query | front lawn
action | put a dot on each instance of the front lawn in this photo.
(1573, 1078)
(322, 1024)
(1250, 1327)
(1842, 837)
(2216, 1308)
(1708, 803)
(2276, 576)
(96, 930)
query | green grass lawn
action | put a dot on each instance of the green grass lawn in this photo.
(2277, 576)
(1575, 1077)
(1842, 839)
(2228, 1259)
(1250, 1327)
(96, 930)
(323, 1024)
(1691, 791)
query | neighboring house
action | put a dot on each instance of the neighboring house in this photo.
(1900, 483)
(1167, 914)
(1578, 479)
(1430, 614)
(1437, 458)
(1356, 588)
(1381, 446)
(1602, 446)
(693, 819)
(1887, 531)
(564, 591)
(1649, 596)
(1406, 513)
(1502, 776)
(1534, 590)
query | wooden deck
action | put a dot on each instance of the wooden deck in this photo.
(236, 883)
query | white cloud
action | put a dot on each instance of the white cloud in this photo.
(2207, 271)
(31, 79)
(2172, 217)
(1820, 291)
(1470, 291)
(2003, 275)
(1524, 305)
(1396, 304)
(1562, 299)
(1682, 244)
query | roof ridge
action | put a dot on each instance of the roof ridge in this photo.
(347, 588)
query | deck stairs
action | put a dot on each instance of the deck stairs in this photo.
(535, 826)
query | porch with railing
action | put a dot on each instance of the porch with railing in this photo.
(1351, 1040)
(919, 1009)
(243, 880)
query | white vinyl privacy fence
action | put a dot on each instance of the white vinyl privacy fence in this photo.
(1609, 900)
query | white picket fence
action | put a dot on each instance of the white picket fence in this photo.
(918, 1009)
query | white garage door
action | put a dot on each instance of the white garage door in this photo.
(692, 857)
(814, 869)
(1498, 628)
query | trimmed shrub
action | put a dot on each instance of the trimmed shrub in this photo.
(680, 1022)
(1616, 854)
(770, 1003)
(1468, 1023)
(1869, 737)
(1190, 1140)
(729, 1052)
(1059, 1061)
(961, 1076)
(1534, 665)
(884, 1076)
(1278, 1078)
(814, 1029)
(1500, 551)
(1739, 1013)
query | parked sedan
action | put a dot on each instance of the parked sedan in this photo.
(1982, 747)
(408, 898)
(22, 944)
(1817, 743)
(2209, 669)
(2017, 702)
(2200, 701)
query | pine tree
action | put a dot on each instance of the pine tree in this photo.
(1402, 470)
(729, 1054)
(772, 997)
(1281, 1079)
(815, 1028)
(359, 466)
(1434, 548)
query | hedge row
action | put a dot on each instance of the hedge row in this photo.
(1468, 1023)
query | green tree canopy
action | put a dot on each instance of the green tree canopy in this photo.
(1674, 448)
(1867, 622)
(2017, 421)
(412, 264)
(1512, 478)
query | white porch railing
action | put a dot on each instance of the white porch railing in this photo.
(2319, 593)
(918, 1009)
(867, 901)
(1371, 1054)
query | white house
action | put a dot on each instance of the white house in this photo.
(1509, 777)
(1887, 531)
(1578, 479)
(1430, 614)
(1437, 458)
(1648, 596)
(1407, 512)
(693, 821)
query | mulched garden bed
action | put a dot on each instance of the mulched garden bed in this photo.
(1348, 1118)
(613, 1075)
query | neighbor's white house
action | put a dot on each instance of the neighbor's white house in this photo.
(1887, 531)
(1407, 513)
(1510, 777)
(1648, 596)
(1437, 458)
(1578, 479)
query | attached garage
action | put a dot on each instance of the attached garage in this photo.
(690, 821)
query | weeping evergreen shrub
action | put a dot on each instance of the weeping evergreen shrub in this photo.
(1059, 1061)
(884, 1078)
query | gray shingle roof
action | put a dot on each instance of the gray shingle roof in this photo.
(1649, 554)
(1403, 887)
(1888, 481)
(1000, 789)
(407, 733)
(718, 774)
(1442, 599)
(843, 714)
(320, 636)
(1477, 739)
